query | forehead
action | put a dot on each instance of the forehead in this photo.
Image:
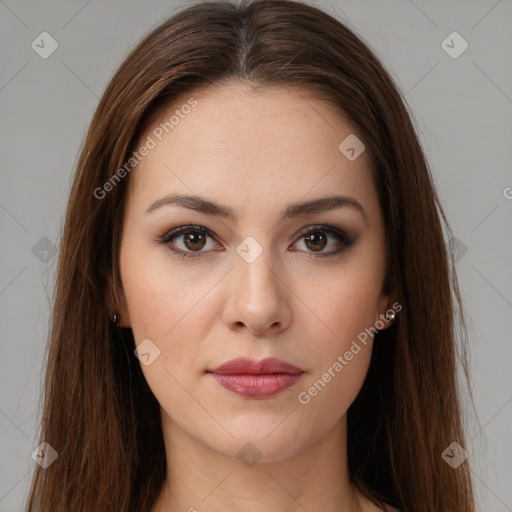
(235, 144)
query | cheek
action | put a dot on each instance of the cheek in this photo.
(340, 361)
(171, 308)
(160, 297)
(344, 304)
(344, 310)
(164, 308)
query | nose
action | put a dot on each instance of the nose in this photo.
(258, 297)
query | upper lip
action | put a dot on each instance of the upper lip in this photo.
(244, 365)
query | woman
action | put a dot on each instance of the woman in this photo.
(254, 304)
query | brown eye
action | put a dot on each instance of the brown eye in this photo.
(189, 241)
(316, 239)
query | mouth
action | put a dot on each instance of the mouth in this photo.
(256, 379)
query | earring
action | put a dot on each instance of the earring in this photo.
(391, 316)
(117, 318)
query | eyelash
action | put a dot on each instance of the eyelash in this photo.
(174, 233)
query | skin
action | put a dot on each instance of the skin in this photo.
(256, 153)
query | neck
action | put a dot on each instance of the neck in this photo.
(310, 478)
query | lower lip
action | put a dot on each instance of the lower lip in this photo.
(257, 386)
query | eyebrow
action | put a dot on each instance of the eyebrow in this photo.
(202, 205)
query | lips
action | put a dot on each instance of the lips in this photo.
(256, 379)
(246, 366)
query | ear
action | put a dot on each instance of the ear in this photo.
(116, 303)
(387, 305)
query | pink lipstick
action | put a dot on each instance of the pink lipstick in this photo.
(256, 379)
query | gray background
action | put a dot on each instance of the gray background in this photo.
(462, 108)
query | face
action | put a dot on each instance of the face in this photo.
(254, 276)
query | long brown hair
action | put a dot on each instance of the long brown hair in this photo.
(98, 411)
